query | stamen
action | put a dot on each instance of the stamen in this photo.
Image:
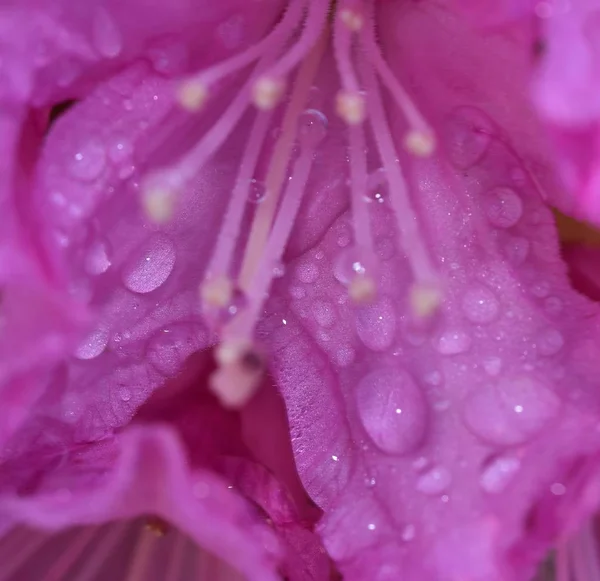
(176, 554)
(267, 92)
(194, 91)
(98, 558)
(141, 556)
(352, 19)
(406, 220)
(217, 291)
(279, 163)
(158, 204)
(157, 525)
(420, 139)
(351, 107)
(425, 299)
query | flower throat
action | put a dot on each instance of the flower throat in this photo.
(283, 66)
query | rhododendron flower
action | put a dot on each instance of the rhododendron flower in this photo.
(281, 284)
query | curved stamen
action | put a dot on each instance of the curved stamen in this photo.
(426, 292)
(282, 31)
(420, 139)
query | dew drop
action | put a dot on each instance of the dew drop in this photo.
(434, 481)
(392, 410)
(480, 305)
(88, 162)
(453, 342)
(498, 472)
(278, 270)
(511, 411)
(468, 135)
(517, 250)
(347, 266)
(72, 408)
(312, 128)
(150, 266)
(553, 305)
(257, 191)
(408, 532)
(345, 355)
(324, 313)
(540, 289)
(105, 34)
(125, 393)
(307, 272)
(170, 347)
(504, 207)
(550, 342)
(97, 260)
(120, 150)
(94, 345)
(376, 324)
(492, 365)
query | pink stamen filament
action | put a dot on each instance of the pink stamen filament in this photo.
(143, 549)
(372, 52)
(276, 172)
(342, 46)
(424, 271)
(176, 555)
(271, 43)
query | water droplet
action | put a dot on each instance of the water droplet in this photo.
(97, 259)
(376, 324)
(511, 411)
(170, 347)
(169, 56)
(347, 266)
(517, 250)
(257, 191)
(392, 410)
(498, 472)
(540, 289)
(408, 533)
(550, 342)
(553, 305)
(504, 207)
(93, 345)
(307, 272)
(72, 408)
(150, 266)
(105, 34)
(434, 481)
(88, 162)
(324, 313)
(120, 150)
(312, 128)
(278, 270)
(125, 393)
(492, 365)
(453, 342)
(480, 305)
(468, 135)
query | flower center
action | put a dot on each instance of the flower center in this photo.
(283, 66)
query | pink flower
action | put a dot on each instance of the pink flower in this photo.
(346, 206)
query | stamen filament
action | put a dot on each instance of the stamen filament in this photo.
(421, 137)
(271, 43)
(279, 163)
(423, 270)
(112, 538)
(176, 555)
(141, 556)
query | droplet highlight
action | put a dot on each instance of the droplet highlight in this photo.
(150, 266)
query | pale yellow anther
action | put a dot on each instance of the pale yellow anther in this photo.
(362, 289)
(267, 92)
(158, 204)
(192, 95)
(420, 143)
(425, 299)
(217, 291)
(352, 19)
(351, 107)
(232, 351)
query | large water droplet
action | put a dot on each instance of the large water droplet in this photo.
(307, 272)
(120, 150)
(498, 472)
(504, 207)
(434, 481)
(150, 266)
(480, 305)
(453, 342)
(376, 324)
(347, 266)
(93, 345)
(550, 342)
(88, 162)
(392, 410)
(511, 411)
(170, 347)
(468, 134)
(106, 35)
(312, 128)
(97, 260)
